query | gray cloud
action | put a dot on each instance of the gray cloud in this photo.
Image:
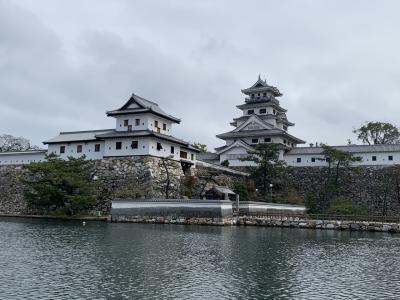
(63, 64)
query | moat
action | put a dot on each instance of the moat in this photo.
(49, 259)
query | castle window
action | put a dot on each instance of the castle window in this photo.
(312, 159)
(274, 111)
(254, 141)
(299, 159)
(126, 123)
(79, 148)
(172, 149)
(265, 94)
(156, 124)
(62, 149)
(96, 147)
(134, 144)
(192, 156)
(263, 111)
(252, 95)
(267, 140)
(183, 154)
(159, 146)
(118, 145)
(390, 157)
(164, 126)
(373, 158)
(137, 122)
(250, 111)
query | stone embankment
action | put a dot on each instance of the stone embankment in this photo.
(289, 222)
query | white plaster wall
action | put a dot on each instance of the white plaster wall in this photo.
(146, 146)
(21, 158)
(233, 156)
(126, 150)
(381, 159)
(71, 150)
(146, 122)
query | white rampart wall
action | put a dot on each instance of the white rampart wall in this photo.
(21, 158)
(382, 158)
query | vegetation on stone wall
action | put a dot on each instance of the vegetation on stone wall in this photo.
(269, 168)
(343, 206)
(61, 186)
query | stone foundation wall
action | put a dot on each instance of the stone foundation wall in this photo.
(377, 188)
(267, 222)
(12, 190)
(141, 176)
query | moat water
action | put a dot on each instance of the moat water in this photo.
(46, 259)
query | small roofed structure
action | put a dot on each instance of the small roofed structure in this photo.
(220, 193)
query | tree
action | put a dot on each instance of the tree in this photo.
(201, 147)
(225, 163)
(378, 133)
(336, 160)
(12, 143)
(269, 168)
(58, 185)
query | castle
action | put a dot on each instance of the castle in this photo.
(144, 129)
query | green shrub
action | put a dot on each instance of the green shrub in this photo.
(61, 186)
(343, 206)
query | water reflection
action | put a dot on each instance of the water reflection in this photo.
(64, 260)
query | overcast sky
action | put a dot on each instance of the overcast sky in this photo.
(64, 63)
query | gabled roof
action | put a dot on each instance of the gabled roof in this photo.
(262, 86)
(254, 119)
(259, 133)
(139, 105)
(238, 143)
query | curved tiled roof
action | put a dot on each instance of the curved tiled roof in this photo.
(144, 106)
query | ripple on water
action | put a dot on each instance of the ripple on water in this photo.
(64, 260)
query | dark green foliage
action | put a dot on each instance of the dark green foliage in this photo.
(61, 185)
(378, 133)
(269, 168)
(246, 190)
(332, 177)
(342, 206)
(225, 163)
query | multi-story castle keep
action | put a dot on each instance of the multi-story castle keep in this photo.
(263, 120)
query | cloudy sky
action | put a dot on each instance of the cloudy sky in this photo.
(64, 63)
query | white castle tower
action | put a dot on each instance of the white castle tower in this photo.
(263, 120)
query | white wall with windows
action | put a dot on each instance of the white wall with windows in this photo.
(92, 149)
(143, 122)
(368, 159)
(146, 146)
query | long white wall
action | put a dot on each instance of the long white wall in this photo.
(21, 158)
(313, 160)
